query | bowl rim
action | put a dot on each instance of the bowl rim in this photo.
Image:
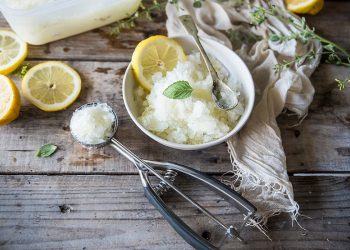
(233, 131)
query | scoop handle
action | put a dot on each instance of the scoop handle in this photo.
(179, 226)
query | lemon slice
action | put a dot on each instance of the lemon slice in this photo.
(51, 86)
(13, 51)
(305, 6)
(155, 54)
(10, 101)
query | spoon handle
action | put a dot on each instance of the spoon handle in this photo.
(191, 29)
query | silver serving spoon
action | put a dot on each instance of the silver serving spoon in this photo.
(223, 96)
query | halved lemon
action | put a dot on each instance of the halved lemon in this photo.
(155, 54)
(13, 51)
(305, 6)
(10, 101)
(51, 86)
(316, 8)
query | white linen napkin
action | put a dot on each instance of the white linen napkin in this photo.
(259, 170)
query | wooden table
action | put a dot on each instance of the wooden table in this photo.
(79, 199)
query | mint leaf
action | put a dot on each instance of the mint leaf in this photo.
(178, 90)
(46, 150)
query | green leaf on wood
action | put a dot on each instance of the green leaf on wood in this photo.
(46, 150)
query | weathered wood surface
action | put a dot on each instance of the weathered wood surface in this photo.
(110, 212)
(321, 143)
(108, 207)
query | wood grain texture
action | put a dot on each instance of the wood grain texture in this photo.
(101, 82)
(332, 22)
(110, 212)
(101, 47)
(320, 143)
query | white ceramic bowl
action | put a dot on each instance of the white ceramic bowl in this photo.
(229, 59)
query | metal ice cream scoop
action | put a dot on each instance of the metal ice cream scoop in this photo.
(171, 171)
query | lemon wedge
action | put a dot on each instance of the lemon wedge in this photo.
(13, 51)
(51, 86)
(155, 54)
(305, 6)
(10, 101)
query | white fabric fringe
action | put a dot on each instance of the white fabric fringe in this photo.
(259, 163)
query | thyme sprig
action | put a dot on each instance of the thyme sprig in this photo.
(298, 60)
(144, 12)
(21, 70)
(260, 14)
(342, 83)
(335, 53)
(304, 35)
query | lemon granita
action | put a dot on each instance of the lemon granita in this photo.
(93, 124)
(191, 120)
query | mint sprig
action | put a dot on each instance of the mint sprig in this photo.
(46, 150)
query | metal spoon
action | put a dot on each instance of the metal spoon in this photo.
(223, 96)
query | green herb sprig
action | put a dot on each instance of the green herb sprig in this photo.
(342, 83)
(334, 53)
(144, 12)
(298, 60)
(178, 90)
(260, 14)
(21, 70)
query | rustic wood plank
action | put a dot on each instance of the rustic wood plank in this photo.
(110, 212)
(332, 22)
(321, 143)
